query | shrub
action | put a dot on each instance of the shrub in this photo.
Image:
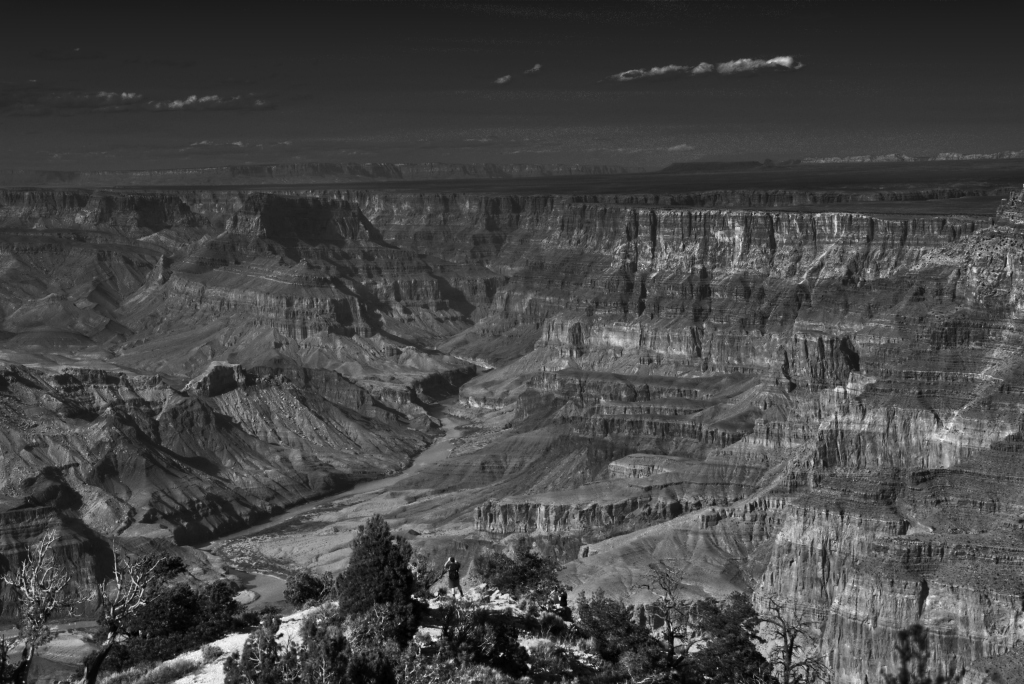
(178, 618)
(326, 655)
(378, 571)
(552, 625)
(607, 623)
(729, 654)
(371, 668)
(383, 623)
(211, 652)
(418, 671)
(550, 662)
(305, 588)
(482, 638)
(262, 661)
(523, 573)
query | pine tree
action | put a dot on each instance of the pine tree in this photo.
(378, 571)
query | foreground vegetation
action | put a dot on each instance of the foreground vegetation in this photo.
(377, 623)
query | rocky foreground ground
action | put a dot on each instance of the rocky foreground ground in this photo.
(811, 395)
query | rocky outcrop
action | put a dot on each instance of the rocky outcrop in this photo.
(531, 517)
(1011, 210)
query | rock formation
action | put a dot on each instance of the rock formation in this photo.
(817, 404)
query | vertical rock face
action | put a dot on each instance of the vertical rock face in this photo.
(828, 403)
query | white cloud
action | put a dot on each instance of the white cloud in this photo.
(739, 65)
(209, 102)
(532, 70)
(735, 66)
(504, 79)
(679, 148)
(634, 74)
(119, 97)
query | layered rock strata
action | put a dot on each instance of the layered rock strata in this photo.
(823, 407)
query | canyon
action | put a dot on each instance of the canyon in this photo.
(805, 387)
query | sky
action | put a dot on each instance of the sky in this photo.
(637, 84)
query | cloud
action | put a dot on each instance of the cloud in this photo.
(207, 102)
(35, 100)
(634, 74)
(740, 65)
(736, 66)
(504, 79)
(532, 70)
(679, 148)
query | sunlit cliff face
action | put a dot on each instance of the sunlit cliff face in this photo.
(633, 84)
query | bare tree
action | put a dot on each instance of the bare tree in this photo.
(40, 589)
(672, 609)
(131, 587)
(794, 656)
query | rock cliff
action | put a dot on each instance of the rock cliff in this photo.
(810, 400)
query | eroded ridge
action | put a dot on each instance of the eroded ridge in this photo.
(818, 406)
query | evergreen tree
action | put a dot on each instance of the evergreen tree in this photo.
(305, 588)
(729, 654)
(378, 571)
(261, 660)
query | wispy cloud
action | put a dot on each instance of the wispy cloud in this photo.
(634, 74)
(739, 65)
(502, 80)
(532, 70)
(736, 66)
(34, 100)
(193, 102)
(679, 148)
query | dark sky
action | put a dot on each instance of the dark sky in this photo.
(185, 85)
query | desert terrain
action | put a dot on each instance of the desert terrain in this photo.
(803, 382)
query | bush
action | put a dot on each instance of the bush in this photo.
(418, 671)
(550, 663)
(607, 623)
(382, 624)
(523, 573)
(262, 661)
(305, 588)
(326, 655)
(482, 638)
(552, 625)
(378, 571)
(176, 619)
(729, 654)
(211, 653)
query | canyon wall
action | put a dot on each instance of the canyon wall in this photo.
(826, 402)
